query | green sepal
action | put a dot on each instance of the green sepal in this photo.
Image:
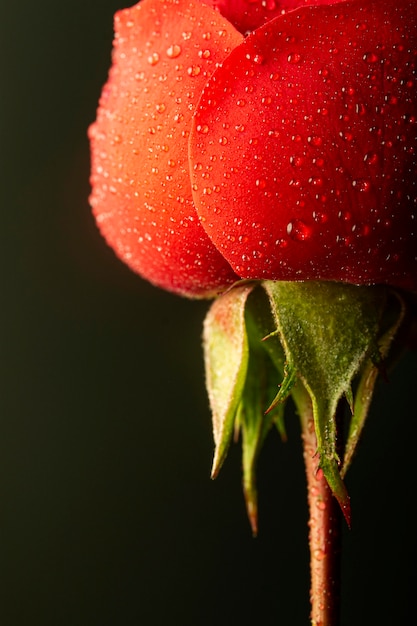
(327, 330)
(392, 320)
(226, 359)
(280, 381)
(262, 376)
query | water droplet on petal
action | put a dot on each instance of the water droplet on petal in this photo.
(258, 59)
(346, 135)
(315, 140)
(319, 217)
(294, 58)
(371, 158)
(174, 51)
(298, 230)
(204, 54)
(296, 161)
(316, 181)
(370, 57)
(362, 185)
(194, 70)
(153, 58)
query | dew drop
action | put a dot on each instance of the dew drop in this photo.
(371, 158)
(320, 218)
(258, 59)
(362, 26)
(316, 181)
(294, 58)
(362, 185)
(370, 57)
(223, 141)
(346, 216)
(319, 555)
(360, 108)
(298, 230)
(153, 58)
(174, 51)
(204, 54)
(296, 161)
(194, 70)
(390, 99)
(203, 129)
(346, 135)
(315, 140)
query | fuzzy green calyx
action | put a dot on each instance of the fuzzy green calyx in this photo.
(314, 341)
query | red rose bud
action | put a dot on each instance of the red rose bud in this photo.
(288, 155)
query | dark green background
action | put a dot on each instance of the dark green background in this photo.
(107, 513)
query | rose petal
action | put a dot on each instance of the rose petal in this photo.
(312, 124)
(246, 15)
(164, 52)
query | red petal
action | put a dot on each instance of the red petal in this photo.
(164, 52)
(312, 124)
(246, 15)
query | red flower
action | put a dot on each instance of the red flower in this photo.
(286, 155)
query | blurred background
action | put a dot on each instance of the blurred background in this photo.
(108, 516)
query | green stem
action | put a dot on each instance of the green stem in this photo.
(324, 533)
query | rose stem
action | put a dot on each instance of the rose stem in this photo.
(324, 534)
